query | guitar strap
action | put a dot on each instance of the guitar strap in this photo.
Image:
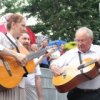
(24, 67)
(80, 59)
(13, 44)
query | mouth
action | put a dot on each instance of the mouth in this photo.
(26, 44)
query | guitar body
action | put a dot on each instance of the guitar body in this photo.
(74, 76)
(17, 71)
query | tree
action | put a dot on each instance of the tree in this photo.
(63, 17)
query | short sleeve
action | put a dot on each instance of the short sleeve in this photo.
(1, 47)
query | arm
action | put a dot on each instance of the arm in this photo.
(56, 70)
(38, 87)
(57, 65)
(7, 52)
(39, 60)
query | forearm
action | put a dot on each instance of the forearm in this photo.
(39, 60)
(18, 56)
(56, 70)
(8, 52)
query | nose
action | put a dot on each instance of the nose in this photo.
(80, 43)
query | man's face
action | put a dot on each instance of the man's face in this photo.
(25, 40)
(84, 41)
(45, 43)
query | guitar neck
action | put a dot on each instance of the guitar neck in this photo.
(87, 64)
(33, 55)
(91, 62)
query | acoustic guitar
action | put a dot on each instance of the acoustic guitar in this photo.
(74, 75)
(11, 72)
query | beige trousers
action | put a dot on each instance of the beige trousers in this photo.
(31, 93)
(17, 93)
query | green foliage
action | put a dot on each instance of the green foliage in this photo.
(62, 17)
(65, 16)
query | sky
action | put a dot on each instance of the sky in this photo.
(30, 21)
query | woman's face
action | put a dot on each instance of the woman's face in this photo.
(19, 28)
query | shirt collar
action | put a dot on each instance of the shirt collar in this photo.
(92, 49)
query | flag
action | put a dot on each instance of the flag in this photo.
(31, 34)
(3, 28)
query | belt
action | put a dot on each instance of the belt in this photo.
(87, 90)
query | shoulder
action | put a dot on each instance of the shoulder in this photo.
(2, 34)
(2, 37)
(74, 50)
(94, 47)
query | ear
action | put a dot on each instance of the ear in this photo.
(91, 39)
(13, 25)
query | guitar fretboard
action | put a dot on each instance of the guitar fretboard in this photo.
(35, 55)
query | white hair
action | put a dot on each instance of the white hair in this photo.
(89, 31)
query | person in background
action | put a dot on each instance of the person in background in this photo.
(44, 44)
(15, 26)
(34, 47)
(88, 90)
(62, 49)
(33, 83)
(45, 61)
(56, 47)
(55, 55)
